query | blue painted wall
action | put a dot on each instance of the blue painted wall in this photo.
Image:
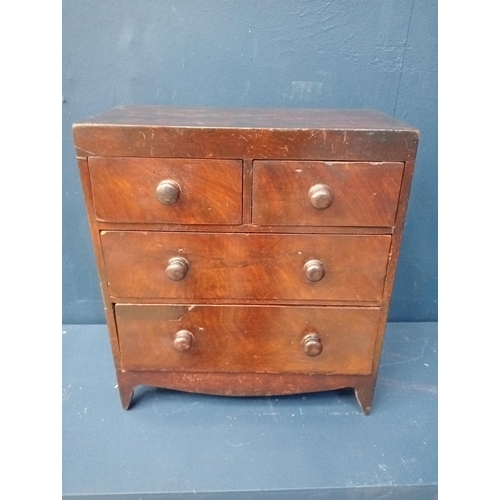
(379, 54)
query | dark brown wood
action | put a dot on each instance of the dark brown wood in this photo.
(126, 386)
(244, 228)
(125, 190)
(247, 192)
(364, 395)
(242, 384)
(275, 302)
(242, 118)
(247, 339)
(101, 267)
(306, 134)
(391, 268)
(212, 229)
(364, 194)
(242, 266)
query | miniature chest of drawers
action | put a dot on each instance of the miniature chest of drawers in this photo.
(246, 252)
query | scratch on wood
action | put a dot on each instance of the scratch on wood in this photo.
(151, 146)
(91, 153)
(189, 308)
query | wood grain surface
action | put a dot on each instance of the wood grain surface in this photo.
(247, 338)
(245, 266)
(364, 194)
(315, 134)
(246, 384)
(124, 190)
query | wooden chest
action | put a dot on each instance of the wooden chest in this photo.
(248, 251)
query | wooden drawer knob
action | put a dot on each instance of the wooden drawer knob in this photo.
(312, 344)
(168, 192)
(320, 196)
(183, 340)
(177, 268)
(314, 270)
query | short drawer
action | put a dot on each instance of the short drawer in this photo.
(245, 266)
(271, 339)
(166, 190)
(317, 193)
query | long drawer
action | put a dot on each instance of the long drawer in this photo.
(271, 339)
(245, 266)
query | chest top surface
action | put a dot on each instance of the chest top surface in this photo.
(156, 131)
(259, 118)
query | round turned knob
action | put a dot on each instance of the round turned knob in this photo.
(177, 268)
(320, 196)
(183, 340)
(314, 270)
(168, 192)
(312, 344)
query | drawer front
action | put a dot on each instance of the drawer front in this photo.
(166, 190)
(268, 339)
(245, 266)
(313, 193)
